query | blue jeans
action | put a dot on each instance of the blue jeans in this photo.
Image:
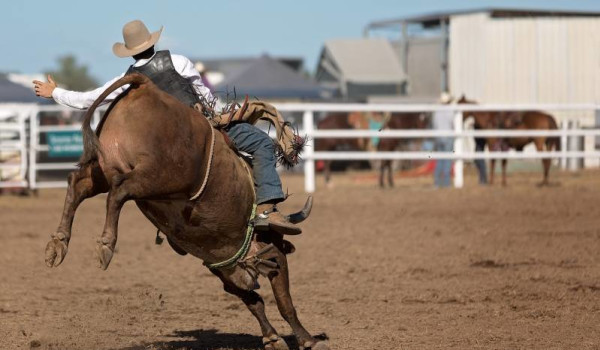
(443, 166)
(480, 163)
(250, 139)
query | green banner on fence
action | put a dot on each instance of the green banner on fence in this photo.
(65, 143)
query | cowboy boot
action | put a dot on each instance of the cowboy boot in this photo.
(268, 217)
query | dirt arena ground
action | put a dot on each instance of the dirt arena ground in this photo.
(407, 268)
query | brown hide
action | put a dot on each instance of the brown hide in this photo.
(150, 130)
(530, 120)
(516, 120)
(398, 121)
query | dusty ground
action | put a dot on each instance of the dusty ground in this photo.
(408, 268)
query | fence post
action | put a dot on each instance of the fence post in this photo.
(33, 147)
(575, 144)
(23, 145)
(564, 144)
(309, 161)
(458, 150)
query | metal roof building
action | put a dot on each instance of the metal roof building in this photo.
(14, 93)
(219, 69)
(358, 68)
(269, 78)
(502, 55)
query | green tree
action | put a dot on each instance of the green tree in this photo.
(73, 76)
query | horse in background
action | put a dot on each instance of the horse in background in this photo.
(482, 120)
(513, 120)
(397, 121)
(366, 121)
(342, 121)
(531, 120)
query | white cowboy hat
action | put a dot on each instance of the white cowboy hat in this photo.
(137, 39)
(445, 97)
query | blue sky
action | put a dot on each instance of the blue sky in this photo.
(35, 33)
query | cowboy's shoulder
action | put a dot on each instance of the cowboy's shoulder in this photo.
(181, 59)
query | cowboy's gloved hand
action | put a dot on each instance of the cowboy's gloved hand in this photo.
(44, 89)
(220, 120)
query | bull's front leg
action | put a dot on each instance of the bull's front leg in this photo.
(281, 291)
(82, 184)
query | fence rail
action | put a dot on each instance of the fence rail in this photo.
(31, 162)
(449, 133)
(458, 133)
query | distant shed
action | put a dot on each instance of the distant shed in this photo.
(269, 78)
(11, 92)
(359, 68)
(505, 55)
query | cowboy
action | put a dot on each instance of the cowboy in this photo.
(176, 75)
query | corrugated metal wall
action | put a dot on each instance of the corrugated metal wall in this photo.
(423, 66)
(525, 60)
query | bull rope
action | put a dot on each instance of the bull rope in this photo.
(243, 249)
(241, 253)
(209, 165)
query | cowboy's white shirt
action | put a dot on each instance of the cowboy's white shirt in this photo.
(83, 100)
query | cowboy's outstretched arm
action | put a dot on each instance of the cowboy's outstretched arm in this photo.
(75, 99)
(44, 89)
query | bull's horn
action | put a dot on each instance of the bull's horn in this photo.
(302, 214)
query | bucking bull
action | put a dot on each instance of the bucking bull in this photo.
(154, 150)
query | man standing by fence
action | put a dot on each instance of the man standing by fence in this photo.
(443, 120)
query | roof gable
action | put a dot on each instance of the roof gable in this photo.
(270, 78)
(363, 61)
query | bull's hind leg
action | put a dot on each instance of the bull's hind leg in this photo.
(281, 290)
(83, 183)
(139, 183)
(256, 305)
(121, 190)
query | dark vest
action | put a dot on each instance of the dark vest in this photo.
(162, 73)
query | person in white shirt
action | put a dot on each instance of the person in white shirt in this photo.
(176, 75)
(443, 120)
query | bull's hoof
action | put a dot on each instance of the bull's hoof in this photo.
(319, 345)
(275, 342)
(104, 255)
(56, 250)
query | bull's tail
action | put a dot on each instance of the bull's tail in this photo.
(553, 143)
(91, 144)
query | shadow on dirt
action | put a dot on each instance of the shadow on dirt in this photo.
(209, 339)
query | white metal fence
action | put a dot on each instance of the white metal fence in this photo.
(459, 154)
(27, 142)
(13, 147)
